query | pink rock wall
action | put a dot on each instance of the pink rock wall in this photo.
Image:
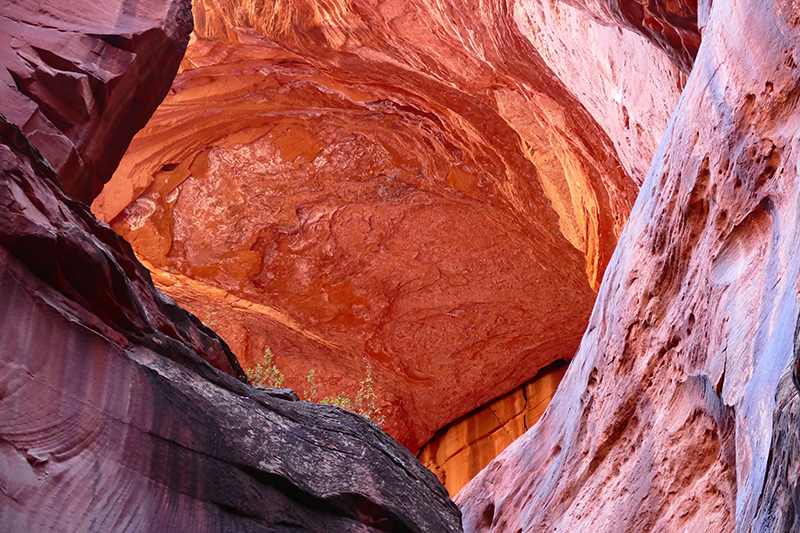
(667, 418)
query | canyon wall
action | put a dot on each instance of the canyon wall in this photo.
(433, 189)
(120, 411)
(678, 412)
(463, 447)
(73, 76)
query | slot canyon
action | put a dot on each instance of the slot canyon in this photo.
(509, 265)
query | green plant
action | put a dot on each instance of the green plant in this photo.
(267, 374)
(365, 403)
(366, 399)
(311, 393)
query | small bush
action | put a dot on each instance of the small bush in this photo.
(266, 374)
(365, 403)
(366, 399)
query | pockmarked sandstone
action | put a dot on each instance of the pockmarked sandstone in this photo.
(120, 411)
(677, 412)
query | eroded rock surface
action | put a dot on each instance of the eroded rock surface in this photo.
(113, 416)
(81, 79)
(667, 419)
(405, 183)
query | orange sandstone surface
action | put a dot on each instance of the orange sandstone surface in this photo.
(433, 189)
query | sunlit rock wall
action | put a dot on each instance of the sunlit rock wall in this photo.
(424, 187)
(675, 414)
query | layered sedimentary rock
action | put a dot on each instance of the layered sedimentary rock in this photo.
(677, 413)
(462, 448)
(672, 26)
(75, 76)
(402, 184)
(120, 411)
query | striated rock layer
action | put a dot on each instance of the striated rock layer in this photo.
(403, 184)
(112, 417)
(462, 448)
(73, 77)
(677, 413)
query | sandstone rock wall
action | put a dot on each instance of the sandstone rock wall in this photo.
(674, 414)
(112, 417)
(424, 186)
(462, 448)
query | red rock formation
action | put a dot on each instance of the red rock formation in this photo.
(107, 432)
(112, 418)
(75, 76)
(405, 183)
(628, 87)
(675, 414)
(462, 448)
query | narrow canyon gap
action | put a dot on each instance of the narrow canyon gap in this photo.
(436, 190)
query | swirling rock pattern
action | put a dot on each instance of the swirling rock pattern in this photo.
(406, 183)
(111, 421)
(675, 414)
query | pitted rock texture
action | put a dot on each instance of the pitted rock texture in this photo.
(667, 418)
(462, 448)
(401, 183)
(81, 79)
(674, 26)
(111, 421)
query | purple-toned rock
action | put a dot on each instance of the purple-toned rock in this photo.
(80, 78)
(111, 421)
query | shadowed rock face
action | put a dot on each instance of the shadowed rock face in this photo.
(400, 183)
(675, 413)
(74, 76)
(120, 411)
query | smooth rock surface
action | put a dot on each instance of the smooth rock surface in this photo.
(80, 78)
(667, 419)
(462, 448)
(111, 421)
(405, 183)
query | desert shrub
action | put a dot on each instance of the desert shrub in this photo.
(266, 374)
(365, 403)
